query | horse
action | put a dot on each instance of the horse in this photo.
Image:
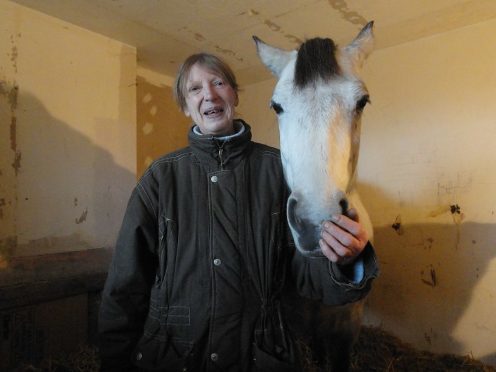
(319, 99)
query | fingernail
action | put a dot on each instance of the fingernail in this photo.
(335, 218)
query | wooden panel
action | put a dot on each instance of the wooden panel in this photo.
(35, 279)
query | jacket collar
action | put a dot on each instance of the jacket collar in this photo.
(221, 153)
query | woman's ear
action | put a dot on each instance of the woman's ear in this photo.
(236, 101)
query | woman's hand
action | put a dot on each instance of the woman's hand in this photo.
(343, 238)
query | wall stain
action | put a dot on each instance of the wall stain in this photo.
(13, 52)
(75, 202)
(397, 226)
(429, 242)
(228, 52)
(455, 209)
(276, 28)
(13, 57)
(199, 37)
(272, 25)
(439, 211)
(7, 249)
(458, 217)
(432, 279)
(429, 336)
(17, 162)
(83, 216)
(13, 133)
(462, 184)
(347, 14)
(252, 12)
(12, 94)
(294, 39)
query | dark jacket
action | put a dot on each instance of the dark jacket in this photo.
(200, 262)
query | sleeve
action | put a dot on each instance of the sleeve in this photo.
(126, 294)
(320, 279)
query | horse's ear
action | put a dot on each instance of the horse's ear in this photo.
(359, 49)
(274, 58)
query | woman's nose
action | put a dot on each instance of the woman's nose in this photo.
(209, 93)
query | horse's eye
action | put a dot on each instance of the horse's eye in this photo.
(360, 105)
(277, 107)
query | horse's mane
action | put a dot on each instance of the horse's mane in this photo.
(316, 59)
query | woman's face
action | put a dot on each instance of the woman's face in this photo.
(210, 101)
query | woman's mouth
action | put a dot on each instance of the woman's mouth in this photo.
(213, 112)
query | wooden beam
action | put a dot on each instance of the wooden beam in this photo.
(35, 279)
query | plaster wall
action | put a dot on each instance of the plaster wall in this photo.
(427, 176)
(68, 134)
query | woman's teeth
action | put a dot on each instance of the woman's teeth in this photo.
(213, 111)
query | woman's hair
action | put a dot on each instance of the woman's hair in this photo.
(210, 62)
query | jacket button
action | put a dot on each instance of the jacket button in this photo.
(214, 179)
(214, 357)
(139, 356)
(217, 262)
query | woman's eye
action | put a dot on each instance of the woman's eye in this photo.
(361, 103)
(218, 83)
(194, 89)
(276, 107)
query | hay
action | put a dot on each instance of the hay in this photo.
(376, 350)
(85, 359)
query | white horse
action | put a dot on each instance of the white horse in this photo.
(319, 99)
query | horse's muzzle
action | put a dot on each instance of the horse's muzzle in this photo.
(306, 234)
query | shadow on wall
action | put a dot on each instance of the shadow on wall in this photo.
(69, 194)
(428, 276)
(162, 127)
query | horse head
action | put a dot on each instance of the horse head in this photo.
(319, 98)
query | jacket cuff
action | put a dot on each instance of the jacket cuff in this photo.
(357, 274)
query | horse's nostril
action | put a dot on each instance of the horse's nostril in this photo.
(343, 203)
(292, 215)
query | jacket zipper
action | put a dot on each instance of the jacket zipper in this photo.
(220, 147)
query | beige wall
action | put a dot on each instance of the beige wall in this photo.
(427, 162)
(68, 134)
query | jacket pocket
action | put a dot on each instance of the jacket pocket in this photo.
(167, 251)
(266, 362)
(157, 351)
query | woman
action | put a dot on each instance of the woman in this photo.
(204, 257)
